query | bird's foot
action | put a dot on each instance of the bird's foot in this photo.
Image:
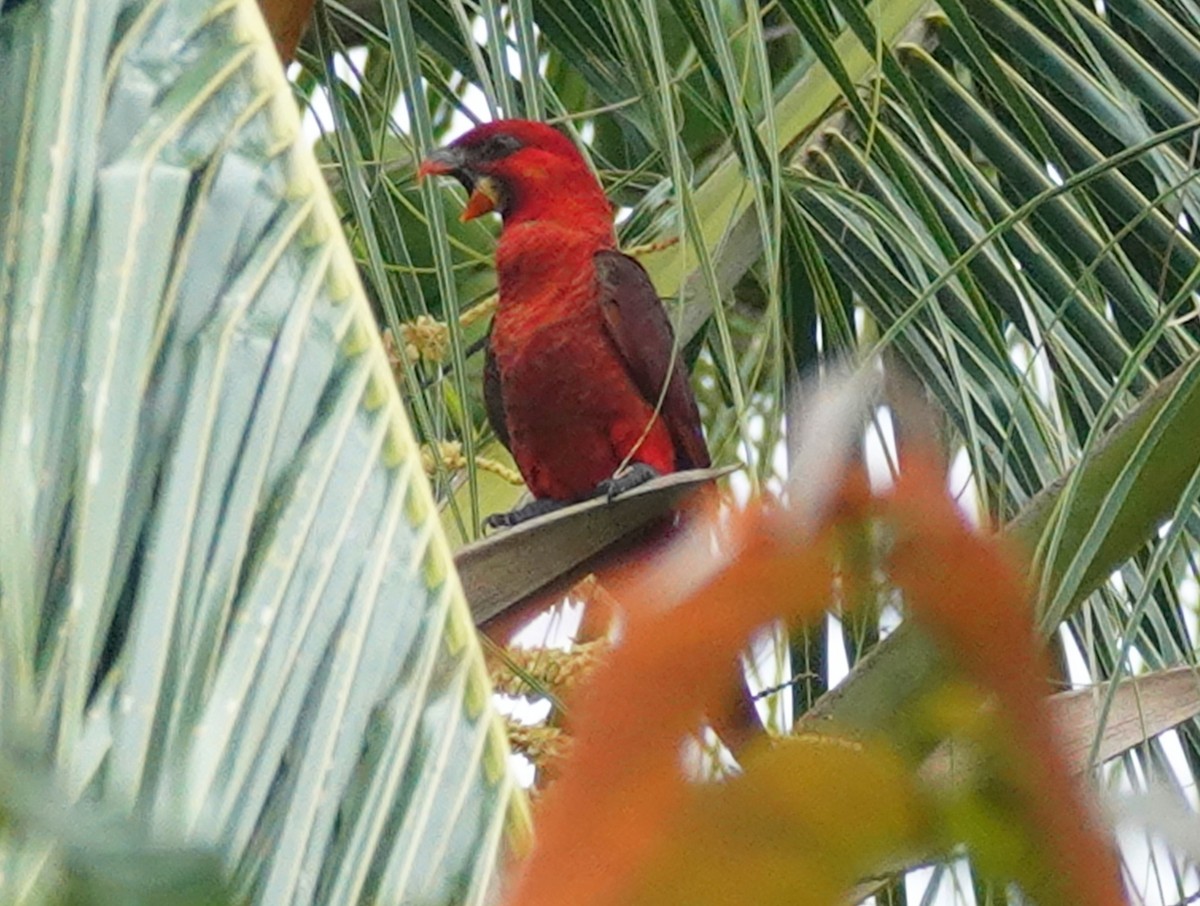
(531, 510)
(637, 473)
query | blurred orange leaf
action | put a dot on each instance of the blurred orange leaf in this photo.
(622, 787)
(970, 594)
(286, 20)
(624, 825)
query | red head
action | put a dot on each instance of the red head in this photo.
(526, 171)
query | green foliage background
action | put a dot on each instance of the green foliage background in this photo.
(995, 197)
(227, 611)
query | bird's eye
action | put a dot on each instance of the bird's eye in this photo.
(496, 147)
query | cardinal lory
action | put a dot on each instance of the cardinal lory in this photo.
(580, 349)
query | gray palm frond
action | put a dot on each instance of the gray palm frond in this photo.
(229, 611)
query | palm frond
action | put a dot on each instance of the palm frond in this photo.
(229, 610)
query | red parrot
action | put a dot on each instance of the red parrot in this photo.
(580, 350)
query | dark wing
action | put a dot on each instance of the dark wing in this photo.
(493, 399)
(638, 326)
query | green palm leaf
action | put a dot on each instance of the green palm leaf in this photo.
(228, 608)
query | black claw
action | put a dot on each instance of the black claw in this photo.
(531, 510)
(638, 473)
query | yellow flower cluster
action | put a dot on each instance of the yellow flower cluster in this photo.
(556, 671)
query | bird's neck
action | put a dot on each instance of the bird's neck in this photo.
(550, 261)
(556, 218)
(557, 194)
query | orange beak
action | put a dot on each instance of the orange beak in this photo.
(484, 197)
